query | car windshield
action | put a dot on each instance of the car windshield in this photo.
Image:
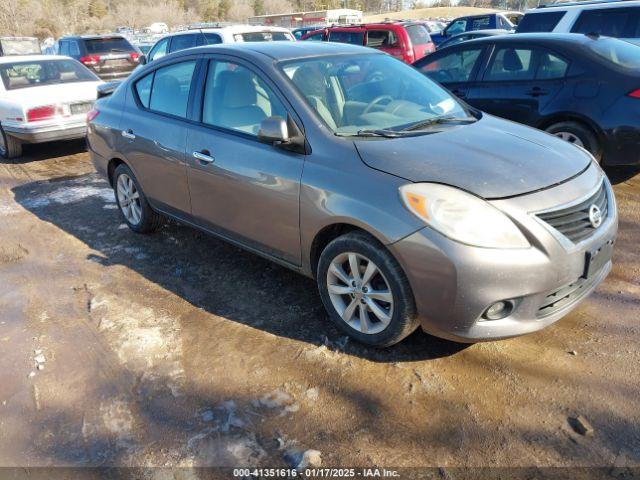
(108, 45)
(372, 95)
(621, 53)
(44, 72)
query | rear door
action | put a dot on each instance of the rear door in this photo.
(519, 82)
(154, 129)
(455, 67)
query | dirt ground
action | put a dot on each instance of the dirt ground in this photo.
(177, 349)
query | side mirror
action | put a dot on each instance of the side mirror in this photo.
(274, 130)
(142, 60)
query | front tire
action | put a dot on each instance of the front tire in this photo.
(132, 202)
(365, 291)
(577, 134)
(10, 147)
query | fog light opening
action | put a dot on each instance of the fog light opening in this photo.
(499, 310)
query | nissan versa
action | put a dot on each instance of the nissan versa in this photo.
(407, 206)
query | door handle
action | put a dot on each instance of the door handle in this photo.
(204, 157)
(537, 92)
(128, 134)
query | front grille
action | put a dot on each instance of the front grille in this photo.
(567, 295)
(573, 222)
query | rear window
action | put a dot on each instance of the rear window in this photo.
(20, 46)
(354, 38)
(622, 54)
(539, 22)
(45, 72)
(418, 34)
(610, 22)
(108, 45)
(263, 37)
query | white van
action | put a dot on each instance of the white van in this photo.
(620, 19)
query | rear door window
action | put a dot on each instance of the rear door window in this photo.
(182, 42)
(511, 64)
(610, 22)
(169, 88)
(480, 23)
(551, 66)
(381, 39)
(211, 38)
(456, 67)
(341, 36)
(539, 22)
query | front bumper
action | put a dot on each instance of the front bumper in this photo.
(48, 133)
(454, 284)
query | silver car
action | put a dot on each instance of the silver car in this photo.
(408, 207)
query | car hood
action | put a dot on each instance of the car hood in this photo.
(492, 158)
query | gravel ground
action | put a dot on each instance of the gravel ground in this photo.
(177, 349)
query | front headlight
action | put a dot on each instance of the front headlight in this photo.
(461, 216)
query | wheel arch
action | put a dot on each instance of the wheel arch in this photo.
(572, 117)
(330, 232)
(111, 168)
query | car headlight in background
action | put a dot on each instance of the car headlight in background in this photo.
(461, 216)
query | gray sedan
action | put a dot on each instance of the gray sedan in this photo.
(408, 207)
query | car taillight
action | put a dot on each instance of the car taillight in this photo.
(635, 94)
(41, 113)
(92, 114)
(134, 56)
(90, 60)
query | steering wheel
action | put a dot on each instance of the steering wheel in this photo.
(375, 102)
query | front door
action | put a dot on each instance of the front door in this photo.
(241, 188)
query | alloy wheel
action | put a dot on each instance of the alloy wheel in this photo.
(570, 137)
(360, 293)
(129, 199)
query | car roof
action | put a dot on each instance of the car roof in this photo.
(491, 32)
(94, 36)
(31, 58)
(539, 38)
(282, 50)
(588, 5)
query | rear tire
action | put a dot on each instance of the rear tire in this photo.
(10, 147)
(376, 309)
(132, 202)
(579, 134)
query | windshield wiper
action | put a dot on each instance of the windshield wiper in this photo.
(384, 133)
(437, 121)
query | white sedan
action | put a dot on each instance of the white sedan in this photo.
(43, 98)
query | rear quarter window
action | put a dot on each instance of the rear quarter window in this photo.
(610, 22)
(621, 54)
(539, 22)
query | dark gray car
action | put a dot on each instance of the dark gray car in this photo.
(344, 164)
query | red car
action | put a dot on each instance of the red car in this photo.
(408, 41)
